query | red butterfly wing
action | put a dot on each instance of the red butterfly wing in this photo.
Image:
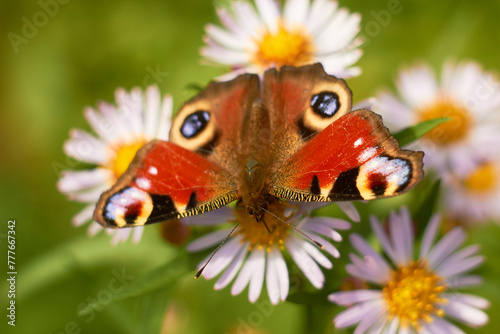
(354, 158)
(165, 181)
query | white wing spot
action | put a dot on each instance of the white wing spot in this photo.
(153, 170)
(358, 142)
(143, 183)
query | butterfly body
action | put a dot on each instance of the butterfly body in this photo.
(290, 136)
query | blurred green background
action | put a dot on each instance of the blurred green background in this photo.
(80, 56)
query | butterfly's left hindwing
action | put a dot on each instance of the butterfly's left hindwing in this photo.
(354, 158)
(165, 181)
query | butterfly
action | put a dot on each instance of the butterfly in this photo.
(289, 135)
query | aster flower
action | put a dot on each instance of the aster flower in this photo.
(254, 254)
(121, 130)
(303, 32)
(466, 94)
(417, 293)
(474, 196)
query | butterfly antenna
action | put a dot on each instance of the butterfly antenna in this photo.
(296, 230)
(198, 274)
(267, 226)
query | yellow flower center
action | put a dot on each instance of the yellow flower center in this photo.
(483, 179)
(284, 47)
(413, 294)
(257, 233)
(124, 156)
(451, 131)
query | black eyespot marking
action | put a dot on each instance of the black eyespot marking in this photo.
(325, 104)
(195, 123)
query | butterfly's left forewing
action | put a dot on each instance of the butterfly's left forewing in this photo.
(165, 181)
(354, 158)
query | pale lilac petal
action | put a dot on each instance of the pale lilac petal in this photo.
(334, 223)
(321, 229)
(364, 104)
(94, 228)
(398, 238)
(350, 210)
(85, 147)
(84, 216)
(441, 326)
(366, 250)
(354, 296)
(229, 22)
(370, 319)
(462, 267)
(429, 235)
(464, 281)
(382, 238)
(72, 181)
(447, 245)
(137, 234)
(120, 235)
(257, 279)
(233, 268)
(471, 300)
(393, 326)
(88, 195)
(466, 313)
(356, 313)
(456, 258)
(407, 233)
(367, 269)
(329, 248)
(220, 216)
(208, 240)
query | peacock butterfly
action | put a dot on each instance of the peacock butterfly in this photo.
(290, 135)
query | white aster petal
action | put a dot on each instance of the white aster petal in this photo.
(305, 262)
(233, 268)
(257, 278)
(222, 258)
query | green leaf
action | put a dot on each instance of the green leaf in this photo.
(412, 133)
(164, 276)
(429, 204)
